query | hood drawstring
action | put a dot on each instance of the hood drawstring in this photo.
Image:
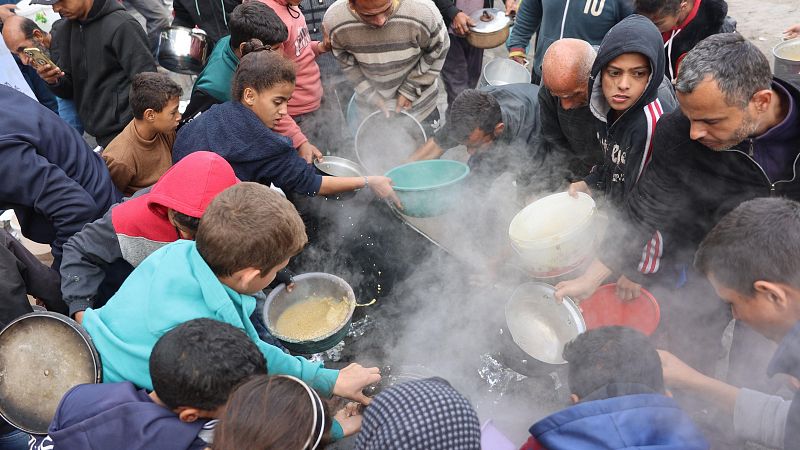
(292, 12)
(564, 20)
(668, 45)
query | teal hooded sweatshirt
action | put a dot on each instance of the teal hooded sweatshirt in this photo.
(171, 286)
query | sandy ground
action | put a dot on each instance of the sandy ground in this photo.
(763, 21)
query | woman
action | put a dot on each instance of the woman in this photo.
(241, 131)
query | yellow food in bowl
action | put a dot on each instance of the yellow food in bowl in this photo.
(312, 318)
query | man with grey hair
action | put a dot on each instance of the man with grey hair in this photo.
(568, 131)
(736, 137)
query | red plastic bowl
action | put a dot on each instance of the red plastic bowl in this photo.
(604, 308)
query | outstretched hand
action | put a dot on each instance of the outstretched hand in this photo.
(353, 379)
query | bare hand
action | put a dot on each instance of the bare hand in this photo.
(309, 152)
(352, 379)
(349, 418)
(290, 286)
(7, 11)
(627, 290)
(78, 317)
(49, 73)
(578, 289)
(519, 60)
(792, 32)
(512, 6)
(402, 103)
(380, 103)
(325, 45)
(429, 150)
(579, 186)
(382, 187)
(676, 372)
(461, 24)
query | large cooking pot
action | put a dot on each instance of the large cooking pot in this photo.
(538, 327)
(383, 143)
(555, 234)
(491, 28)
(183, 50)
(502, 71)
(307, 285)
(787, 60)
(42, 356)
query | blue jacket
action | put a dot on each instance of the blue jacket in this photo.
(50, 177)
(172, 286)
(646, 420)
(787, 360)
(255, 152)
(117, 416)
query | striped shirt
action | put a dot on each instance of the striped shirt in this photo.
(404, 56)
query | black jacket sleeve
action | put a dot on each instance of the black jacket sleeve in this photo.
(448, 9)
(199, 102)
(182, 16)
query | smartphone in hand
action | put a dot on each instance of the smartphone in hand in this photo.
(39, 58)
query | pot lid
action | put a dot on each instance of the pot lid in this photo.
(489, 20)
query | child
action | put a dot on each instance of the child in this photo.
(99, 257)
(618, 389)
(684, 23)
(246, 235)
(142, 152)
(281, 413)
(241, 131)
(248, 21)
(194, 368)
(421, 414)
(628, 95)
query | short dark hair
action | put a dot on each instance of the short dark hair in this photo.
(152, 90)
(186, 221)
(734, 63)
(473, 109)
(28, 26)
(249, 225)
(255, 20)
(269, 413)
(758, 240)
(609, 355)
(200, 362)
(261, 70)
(658, 8)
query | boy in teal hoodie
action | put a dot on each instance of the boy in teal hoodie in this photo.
(247, 234)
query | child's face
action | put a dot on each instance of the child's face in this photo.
(624, 80)
(260, 282)
(270, 105)
(166, 121)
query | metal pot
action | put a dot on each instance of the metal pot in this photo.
(787, 60)
(491, 28)
(540, 326)
(502, 71)
(334, 166)
(183, 50)
(383, 143)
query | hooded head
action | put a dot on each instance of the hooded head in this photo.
(621, 67)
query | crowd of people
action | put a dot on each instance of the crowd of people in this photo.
(166, 235)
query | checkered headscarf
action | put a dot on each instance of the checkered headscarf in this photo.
(423, 414)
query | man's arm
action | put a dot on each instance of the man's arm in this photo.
(182, 17)
(434, 50)
(529, 18)
(132, 49)
(41, 281)
(448, 9)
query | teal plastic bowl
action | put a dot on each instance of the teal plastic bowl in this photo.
(428, 188)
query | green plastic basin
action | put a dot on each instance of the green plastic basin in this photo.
(428, 188)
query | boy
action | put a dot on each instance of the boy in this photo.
(194, 366)
(618, 389)
(98, 258)
(142, 152)
(751, 258)
(684, 23)
(246, 235)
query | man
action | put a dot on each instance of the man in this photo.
(51, 178)
(392, 51)
(100, 48)
(553, 20)
(211, 16)
(20, 33)
(568, 131)
(736, 137)
(463, 64)
(750, 257)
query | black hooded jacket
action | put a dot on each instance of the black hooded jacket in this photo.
(709, 20)
(210, 15)
(99, 57)
(627, 141)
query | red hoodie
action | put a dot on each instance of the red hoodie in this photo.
(187, 187)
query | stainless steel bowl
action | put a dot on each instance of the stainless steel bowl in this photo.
(383, 143)
(539, 325)
(340, 167)
(183, 50)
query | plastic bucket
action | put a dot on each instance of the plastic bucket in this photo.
(428, 188)
(604, 308)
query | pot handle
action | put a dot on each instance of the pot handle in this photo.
(372, 302)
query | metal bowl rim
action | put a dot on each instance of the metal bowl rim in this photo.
(341, 162)
(369, 116)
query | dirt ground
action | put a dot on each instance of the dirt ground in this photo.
(763, 21)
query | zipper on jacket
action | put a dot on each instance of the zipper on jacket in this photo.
(763, 172)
